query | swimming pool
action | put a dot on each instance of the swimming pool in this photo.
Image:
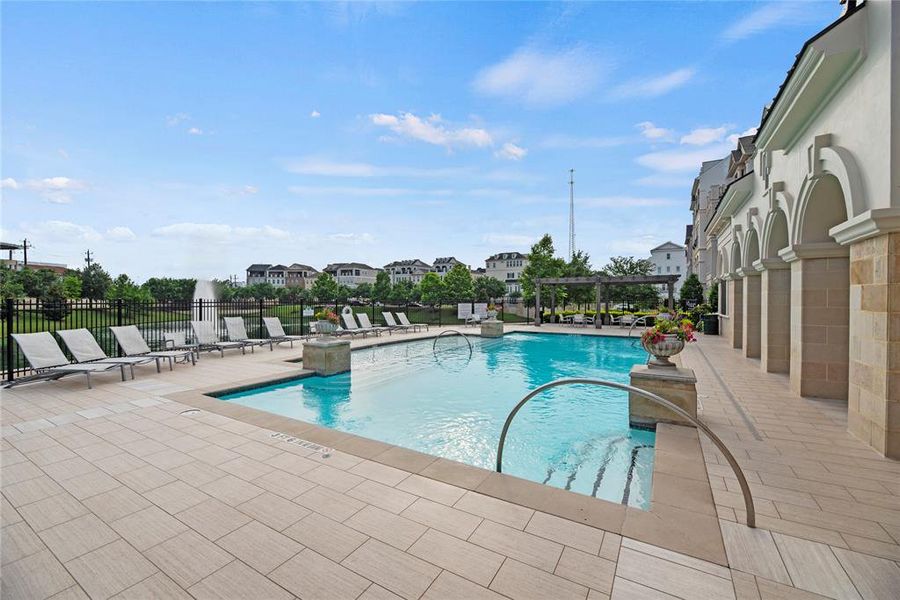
(451, 403)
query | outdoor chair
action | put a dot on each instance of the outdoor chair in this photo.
(366, 325)
(207, 339)
(473, 319)
(578, 320)
(277, 334)
(49, 363)
(351, 327)
(177, 340)
(405, 322)
(237, 332)
(85, 349)
(132, 343)
(389, 319)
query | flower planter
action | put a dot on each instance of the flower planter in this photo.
(325, 327)
(670, 345)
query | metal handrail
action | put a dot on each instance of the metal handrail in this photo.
(638, 320)
(457, 332)
(742, 481)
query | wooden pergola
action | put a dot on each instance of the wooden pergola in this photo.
(602, 283)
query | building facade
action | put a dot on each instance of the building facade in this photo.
(442, 265)
(805, 247)
(351, 274)
(669, 259)
(296, 275)
(407, 270)
(507, 267)
(300, 276)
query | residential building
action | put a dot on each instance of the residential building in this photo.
(276, 275)
(669, 259)
(352, 274)
(479, 272)
(705, 195)
(801, 246)
(301, 276)
(407, 270)
(296, 275)
(257, 273)
(507, 267)
(443, 265)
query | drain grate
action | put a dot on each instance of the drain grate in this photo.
(325, 451)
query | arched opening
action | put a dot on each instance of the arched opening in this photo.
(820, 311)
(735, 328)
(775, 290)
(752, 298)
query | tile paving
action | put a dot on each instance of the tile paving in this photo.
(111, 492)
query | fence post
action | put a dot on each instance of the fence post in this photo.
(301, 316)
(373, 310)
(260, 322)
(10, 367)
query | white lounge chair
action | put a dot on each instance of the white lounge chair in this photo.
(49, 363)
(85, 349)
(207, 339)
(237, 332)
(350, 326)
(366, 325)
(473, 319)
(177, 340)
(393, 325)
(132, 343)
(405, 322)
(277, 334)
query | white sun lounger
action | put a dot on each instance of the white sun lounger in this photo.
(85, 349)
(277, 334)
(49, 363)
(405, 321)
(350, 326)
(389, 319)
(132, 343)
(366, 324)
(208, 340)
(237, 332)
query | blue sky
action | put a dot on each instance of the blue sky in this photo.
(195, 139)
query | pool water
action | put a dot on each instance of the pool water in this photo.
(448, 402)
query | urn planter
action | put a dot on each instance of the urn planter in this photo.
(325, 327)
(669, 346)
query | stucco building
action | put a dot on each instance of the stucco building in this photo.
(507, 267)
(351, 274)
(407, 270)
(806, 246)
(669, 259)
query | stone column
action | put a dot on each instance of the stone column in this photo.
(820, 300)
(735, 325)
(775, 335)
(751, 312)
(874, 381)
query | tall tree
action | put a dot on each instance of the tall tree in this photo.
(488, 289)
(644, 295)
(364, 291)
(325, 288)
(579, 266)
(94, 282)
(402, 292)
(381, 291)
(431, 289)
(691, 292)
(541, 263)
(71, 287)
(458, 284)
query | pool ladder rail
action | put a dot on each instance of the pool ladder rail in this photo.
(732, 462)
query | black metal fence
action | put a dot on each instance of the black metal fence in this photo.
(155, 319)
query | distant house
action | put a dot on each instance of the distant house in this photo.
(443, 265)
(301, 276)
(276, 275)
(407, 270)
(296, 275)
(256, 273)
(351, 274)
(507, 267)
(669, 259)
(479, 272)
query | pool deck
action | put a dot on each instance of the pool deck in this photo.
(112, 492)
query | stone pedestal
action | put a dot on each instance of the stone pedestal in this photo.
(677, 385)
(327, 356)
(491, 328)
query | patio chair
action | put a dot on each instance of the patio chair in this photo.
(85, 349)
(405, 322)
(237, 332)
(177, 340)
(207, 339)
(473, 319)
(277, 334)
(389, 319)
(366, 325)
(351, 327)
(49, 363)
(132, 343)
(578, 320)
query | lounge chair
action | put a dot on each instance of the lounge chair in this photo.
(277, 334)
(366, 324)
(177, 340)
(132, 343)
(208, 340)
(85, 349)
(393, 325)
(405, 322)
(49, 363)
(623, 320)
(237, 332)
(473, 319)
(351, 327)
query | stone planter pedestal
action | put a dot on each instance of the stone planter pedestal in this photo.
(492, 328)
(675, 384)
(327, 356)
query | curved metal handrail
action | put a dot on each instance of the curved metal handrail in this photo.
(638, 320)
(457, 332)
(742, 481)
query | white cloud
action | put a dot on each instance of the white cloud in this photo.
(9, 183)
(432, 131)
(218, 232)
(651, 87)
(120, 234)
(62, 153)
(705, 135)
(315, 114)
(568, 141)
(733, 138)
(767, 17)
(652, 132)
(665, 180)
(68, 231)
(508, 239)
(674, 161)
(248, 190)
(177, 118)
(195, 131)
(510, 151)
(624, 202)
(542, 78)
(311, 165)
(312, 190)
(57, 190)
(352, 239)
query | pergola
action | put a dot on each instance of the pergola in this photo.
(602, 283)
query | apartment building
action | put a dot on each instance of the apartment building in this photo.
(507, 267)
(351, 274)
(669, 259)
(442, 265)
(296, 275)
(407, 270)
